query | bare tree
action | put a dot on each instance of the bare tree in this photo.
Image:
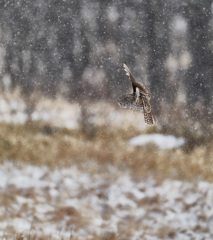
(199, 78)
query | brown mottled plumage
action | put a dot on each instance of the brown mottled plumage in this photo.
(138, 100)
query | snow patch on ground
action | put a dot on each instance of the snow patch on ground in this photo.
(58, 203)
(160, 140)
(61, 113)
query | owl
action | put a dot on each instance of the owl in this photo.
(138, 100)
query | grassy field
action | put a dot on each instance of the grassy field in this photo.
(39, 143)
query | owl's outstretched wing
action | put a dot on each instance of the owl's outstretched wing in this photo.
(129, 74)
(129, 101)
(142, 88)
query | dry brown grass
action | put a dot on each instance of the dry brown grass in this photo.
(20, 236)
(39, 143)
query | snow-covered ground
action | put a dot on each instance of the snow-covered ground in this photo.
(160, 140)
(102, 201)
(61, 113)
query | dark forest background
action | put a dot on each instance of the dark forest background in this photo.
(77, 48)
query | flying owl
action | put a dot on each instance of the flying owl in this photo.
(138, 100)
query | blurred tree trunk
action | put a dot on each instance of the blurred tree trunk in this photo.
(157, 39)
(199, 79)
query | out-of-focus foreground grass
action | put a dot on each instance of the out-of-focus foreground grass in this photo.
(39, 143)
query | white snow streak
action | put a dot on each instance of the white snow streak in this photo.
(160, 140)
